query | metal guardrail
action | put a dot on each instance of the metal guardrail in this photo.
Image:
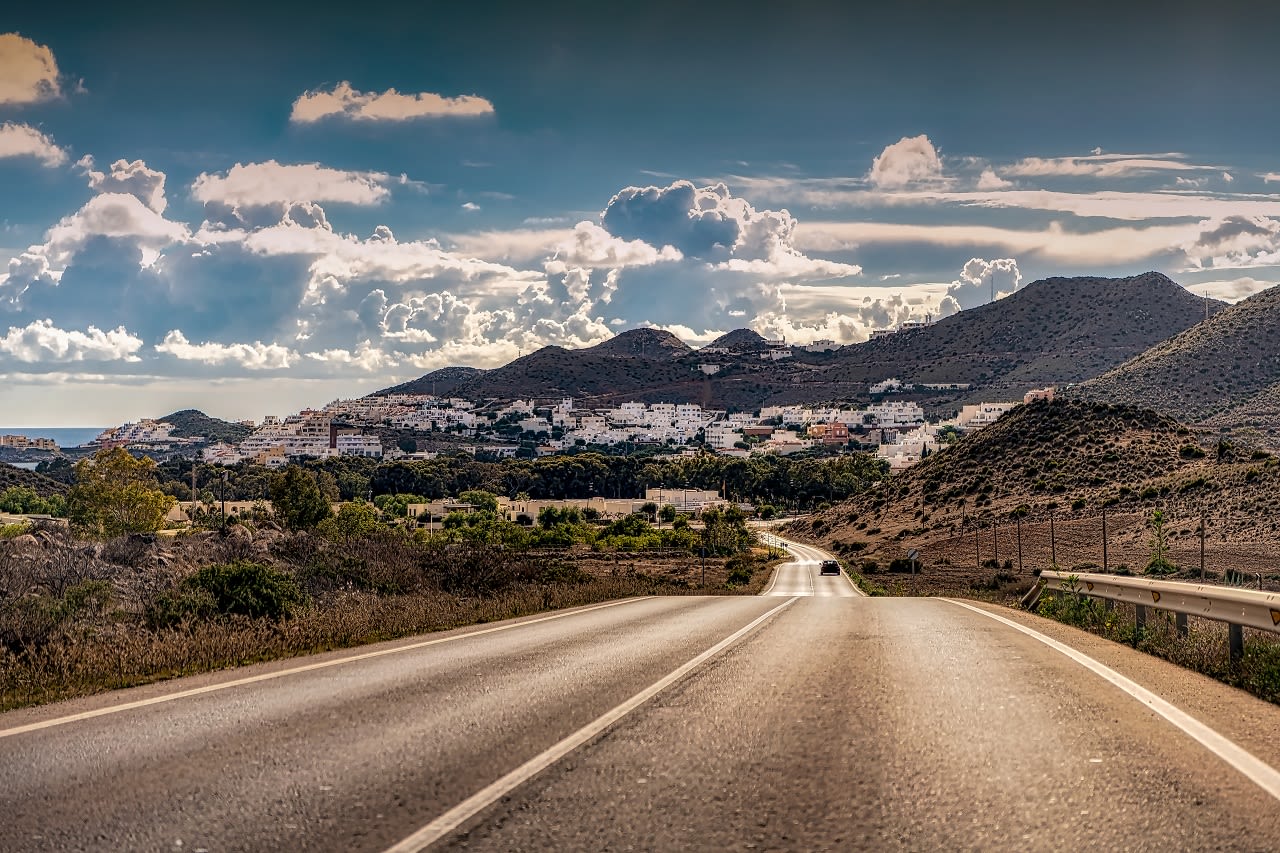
(1237, 607)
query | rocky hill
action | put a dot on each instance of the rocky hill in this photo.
(656, 344)
(442, 382)
(1225, 371)
(740, 340)
(1052, 332)
(1068, 459)
(192, 423)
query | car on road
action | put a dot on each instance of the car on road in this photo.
(829, 567)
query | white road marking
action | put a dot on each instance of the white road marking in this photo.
(1255, 769)
(482, 799)
(311, 667)
(806, 554)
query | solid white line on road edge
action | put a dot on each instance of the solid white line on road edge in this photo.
(1255, 769)
(482, 799)
(789, 545)
(254, 679)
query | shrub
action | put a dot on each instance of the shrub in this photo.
(1191, 451)
(241, 588)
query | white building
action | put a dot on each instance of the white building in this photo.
(359, 445)
(887, 386)
(896, 414)
(983, 414)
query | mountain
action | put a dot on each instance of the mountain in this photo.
(442, 382)
(1052, 332)
(740, 340)
(12, 476)
(657, 344)
(1225, 371)
(192, 423)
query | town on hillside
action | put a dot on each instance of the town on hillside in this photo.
(895, 430)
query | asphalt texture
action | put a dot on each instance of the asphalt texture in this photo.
(839, 723)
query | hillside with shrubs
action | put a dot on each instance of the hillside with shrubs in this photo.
(965, 506)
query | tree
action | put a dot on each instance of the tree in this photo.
(482, 501)
(297, 500)
(356, 520)
(116, 494)
(667, 513)
(1159, 563)
(651, 510)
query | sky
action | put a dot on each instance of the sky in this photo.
(254, 208)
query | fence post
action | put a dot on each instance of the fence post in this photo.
(977, 550)
(995, 543)
(1139, 622)
(1202, 545)
(1180, 620)
(1019, 545)
(1104, 538)
(1235, 642)
(1053, 544)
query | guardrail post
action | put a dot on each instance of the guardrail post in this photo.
(1139, 622)
(1235, 642)
(1180, 620)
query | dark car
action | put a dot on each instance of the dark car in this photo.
(829, 567)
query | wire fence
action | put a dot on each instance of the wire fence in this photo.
(1214, 547)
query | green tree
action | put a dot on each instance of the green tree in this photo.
(354, 521)
(1159, 563)
(667, 513)
(482, 501)
(116, 494)
(297, 500)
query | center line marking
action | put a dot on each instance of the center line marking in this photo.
(1253, 768)
(487, 796)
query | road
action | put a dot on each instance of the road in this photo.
(809, 719)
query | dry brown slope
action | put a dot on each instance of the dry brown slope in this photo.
(1069, 459)
(1209, 370)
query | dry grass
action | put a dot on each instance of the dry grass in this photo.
(73, 616)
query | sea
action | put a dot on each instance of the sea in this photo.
(65, 436)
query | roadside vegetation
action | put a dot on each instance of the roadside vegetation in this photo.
(104, 602)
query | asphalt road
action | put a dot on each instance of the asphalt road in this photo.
(820, 721)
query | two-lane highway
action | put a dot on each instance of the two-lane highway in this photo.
(807, 720)
(802, 577)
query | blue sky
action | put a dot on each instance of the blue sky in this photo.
(253, 208)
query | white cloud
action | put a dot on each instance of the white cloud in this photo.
(1226, 176)
(41, 341)
(28, 71)
(135, 179)
(366, 357)
(272, 184)
(989, 180)
(910, 160)
(711, 224)
(23, 140)
(1120, 245)
(593, 247)
(1235, 242)
(1270, 177)
(470, 206)
(1100, 165)
(343, 101)
(981, 282)
(254, 356)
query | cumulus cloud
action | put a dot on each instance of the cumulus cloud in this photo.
(254, 356)
(1236, 241)
(989, 180)
(980, 282)
(275, 185)
(42, 342)
(23, 140)
(344, 101)
(1232, 290)
(593, 247)
(135, 179)
(711, 224)
(910, 160)
(28, 71)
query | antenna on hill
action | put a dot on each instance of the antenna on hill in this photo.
(1206, 305)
